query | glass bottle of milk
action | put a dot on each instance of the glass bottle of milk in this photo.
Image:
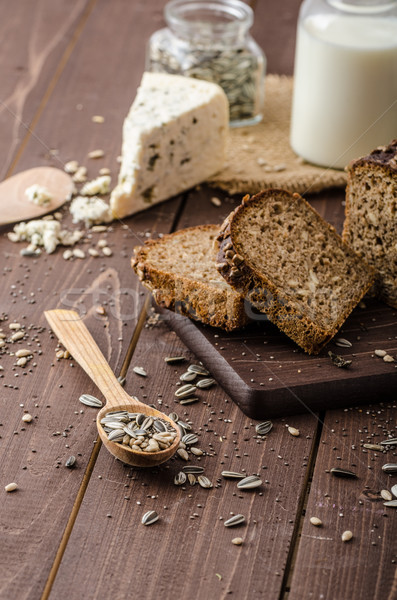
(345, 80)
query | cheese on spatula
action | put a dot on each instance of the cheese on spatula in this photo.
(174, 137)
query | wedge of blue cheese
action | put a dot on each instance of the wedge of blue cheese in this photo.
(174, 137)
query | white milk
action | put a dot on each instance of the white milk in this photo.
(345, 90)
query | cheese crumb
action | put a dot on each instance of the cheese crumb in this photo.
(90, 210)
(43, 233)
(38, 194)
(100, 185)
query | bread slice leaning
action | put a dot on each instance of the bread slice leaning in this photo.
(291, 265)
(180, 272)
(371, 216)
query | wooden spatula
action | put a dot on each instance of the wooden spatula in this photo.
(15, 205)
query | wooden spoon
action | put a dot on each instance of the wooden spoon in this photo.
(76, 338)
(14, 204)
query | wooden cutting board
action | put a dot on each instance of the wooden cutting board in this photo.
(267, 375)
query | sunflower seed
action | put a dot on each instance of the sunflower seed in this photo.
(174, 417)
(380, 353)
(249, 483)
(390, 468)
(150, 517)
(89, 400)
(386, 495)
(392, 503)
(343, 343)
(343, 473)
(339, 361)
(116, 435)
(192, 479)
(189, 439)
(188, 376)
(185, 426)
(185, 391)
(204, 384)
(196, 451)
(159, 425)
(198, 369)
(235, 520)
(181, 452)
(180, 478)
(316, 521)
(204, 481)
(27, 418)
(232, 475)
(347, 536)
(191, 400)
(193, 469)
(71, 461)
(237, 541)
(140, 371)
(174, 359)
(293, 431)
(148, 422)
(391, 442)
(263, 428)
(11, 487)
(394, 490)
(373, 447)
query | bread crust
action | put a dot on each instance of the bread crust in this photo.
(262, 292)
(383, 159)
(219, 307)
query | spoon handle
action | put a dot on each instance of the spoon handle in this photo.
(74, 335)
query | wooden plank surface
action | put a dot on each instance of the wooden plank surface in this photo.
(365, 567)
(63, 531)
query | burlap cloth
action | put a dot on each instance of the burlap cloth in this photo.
(260, 156)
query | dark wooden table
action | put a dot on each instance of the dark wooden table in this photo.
(77, 533)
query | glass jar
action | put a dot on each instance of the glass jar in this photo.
(345, 80)
(209, 39)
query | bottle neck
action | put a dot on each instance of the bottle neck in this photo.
(363, 7)
(206, 21)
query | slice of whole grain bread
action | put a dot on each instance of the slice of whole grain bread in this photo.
(371, 216)
(276, 250)
(180, 272)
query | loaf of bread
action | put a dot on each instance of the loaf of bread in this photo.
(278, 252)
(371, 216)
(180, 272)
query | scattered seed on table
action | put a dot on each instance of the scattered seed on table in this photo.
(89, 400)
(391, 504)
(185, 391)
(180, 478)
(390, 468)
(386, 495)
(71, 462)
(343, 473)
(343, 343)
(107, 251)
(181, 452)
(192, 479)
(18, 335)
(389, 359)
(15, 326)
(237, 541)
(189, 439)
(204, 384)
(316, 521)
(27, 418)
(377, 447)
(140, 371)
(23, 352)
(347, 536)
(78, 253)
(234, 520)
(249, 483)
(174, 359)
(199, 370)
(232, 475)
(96, 154)
(263, 428)
(188, 376)
(11, 487)
(380, 353)
(150, 517)
(293, 431)
(196, 451)
(193, 469)
(187, 401)
(394, 490)
(390, 442)
(204, 481)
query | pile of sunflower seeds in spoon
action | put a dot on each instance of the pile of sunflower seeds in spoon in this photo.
(142, 433)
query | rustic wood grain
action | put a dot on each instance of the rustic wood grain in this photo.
(189, 549)
(35, 37)
(365, 567)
